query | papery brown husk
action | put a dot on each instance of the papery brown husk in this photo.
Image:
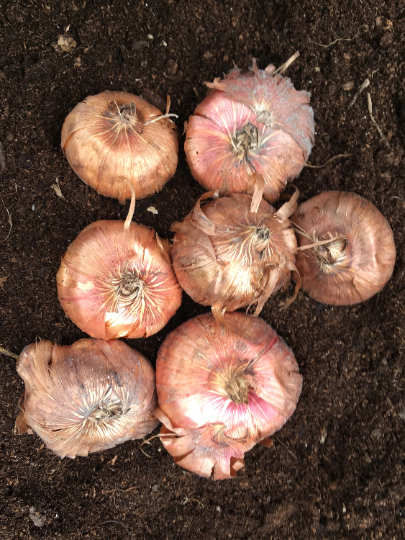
(206, 429)
(88, 396)
(218, 257)
(107, 149)
(369, 254)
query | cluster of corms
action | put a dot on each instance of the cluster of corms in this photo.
(224, 381)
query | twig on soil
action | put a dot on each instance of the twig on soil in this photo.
(114, 521)
(9, 353)
(332, 42)
(144, 453)
(10, 222)
(120, 490)
(370, 110)
(284, 66)
(334, 158)
(186, 500)
(339, 39)
(365, 84)
(286, 447)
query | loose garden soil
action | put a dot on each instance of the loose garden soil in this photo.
(336, 470)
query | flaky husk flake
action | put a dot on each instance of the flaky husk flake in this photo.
(86, 397)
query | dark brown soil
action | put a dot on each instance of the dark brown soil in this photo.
(337, 468)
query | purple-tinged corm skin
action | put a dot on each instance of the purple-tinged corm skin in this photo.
(360, 257)
(254, 122)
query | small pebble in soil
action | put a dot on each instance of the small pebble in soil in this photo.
(376, 434)
(171, 67)
(37, 518)
(65, 44)
(348, 86)
(139, 45)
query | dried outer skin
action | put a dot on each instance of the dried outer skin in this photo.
(369, 256)
(105, 151)
(88, 396)
(87, 281)
(215, 255)
(264, 102)
(205, 451)
(212, 432)
(274, 100)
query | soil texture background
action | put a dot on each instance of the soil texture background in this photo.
(337, 469)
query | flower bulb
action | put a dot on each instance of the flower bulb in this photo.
(118, 282)
(115, 136)
(235, 251)
(222, 388)
(356, 252)
(254, 122)
(88, 396)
